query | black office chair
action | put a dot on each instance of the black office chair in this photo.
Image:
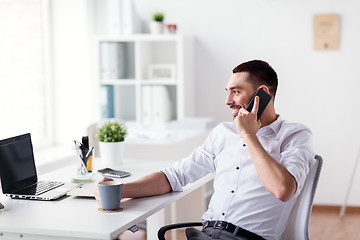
(298, 224)
(164, 229)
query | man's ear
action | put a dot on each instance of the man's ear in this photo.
(265, 88)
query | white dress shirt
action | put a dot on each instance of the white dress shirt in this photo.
(239, 195)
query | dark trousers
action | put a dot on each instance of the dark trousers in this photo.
(211, 233)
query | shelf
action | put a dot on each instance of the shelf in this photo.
(115, 82)
(158, 82)
(118, 82)
(139, 37)
(144, 78)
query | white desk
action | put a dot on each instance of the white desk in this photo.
(79, 218)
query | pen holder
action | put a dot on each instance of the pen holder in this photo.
(81, 165)
(82, 174)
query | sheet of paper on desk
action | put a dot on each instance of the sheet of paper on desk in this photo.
(85, 190)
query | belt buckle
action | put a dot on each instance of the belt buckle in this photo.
(221, 225)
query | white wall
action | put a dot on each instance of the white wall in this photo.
(73, 83)
(317, 88)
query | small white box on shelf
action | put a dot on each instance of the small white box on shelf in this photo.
(162, 71)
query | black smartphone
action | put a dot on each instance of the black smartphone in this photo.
(112, 173)
(264, 101)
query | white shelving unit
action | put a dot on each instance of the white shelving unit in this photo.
(123, 66)
(129, 78)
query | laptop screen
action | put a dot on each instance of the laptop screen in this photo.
(17, 165)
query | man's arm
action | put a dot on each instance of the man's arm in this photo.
(274, 176)
(150, 185)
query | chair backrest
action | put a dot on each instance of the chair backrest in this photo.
(298, 224)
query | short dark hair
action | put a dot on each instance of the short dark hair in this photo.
(261, 73)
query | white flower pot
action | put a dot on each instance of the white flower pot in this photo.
(111, 154)
(156, 27)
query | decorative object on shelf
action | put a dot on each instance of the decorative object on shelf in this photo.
(162, 71)
(171, 28)
(111, 136)
(157, 25)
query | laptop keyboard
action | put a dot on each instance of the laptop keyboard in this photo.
(40, 187)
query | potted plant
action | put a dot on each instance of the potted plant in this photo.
(157, 25)
(111, 136)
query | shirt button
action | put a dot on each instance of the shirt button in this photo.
(232, 191)
(237, 168)
(223, 214)
(244, 145)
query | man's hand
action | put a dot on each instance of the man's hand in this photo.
(246, 122)
(96, 192)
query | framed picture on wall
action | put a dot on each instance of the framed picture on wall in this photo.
(326, 31)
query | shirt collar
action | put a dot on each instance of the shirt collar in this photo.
(274, 126)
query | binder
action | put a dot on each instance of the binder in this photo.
(146, 106)
(156, 106)
(112, 60)
(109, 59)
(161, 105)
(114, 16)
(107, 102)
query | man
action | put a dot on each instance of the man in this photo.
(261, 165)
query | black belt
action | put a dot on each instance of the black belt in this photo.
(235, 230)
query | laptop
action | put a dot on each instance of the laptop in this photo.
(18, 172)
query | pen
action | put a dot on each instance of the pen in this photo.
(83, 166)
(89, 152)
(88, 159)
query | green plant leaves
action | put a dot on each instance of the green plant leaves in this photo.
(158, 17)
(111, 132)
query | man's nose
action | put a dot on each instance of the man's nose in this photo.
(229, 100)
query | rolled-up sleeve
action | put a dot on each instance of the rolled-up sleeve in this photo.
(189, 169)
(297, 156)
(197, 165)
